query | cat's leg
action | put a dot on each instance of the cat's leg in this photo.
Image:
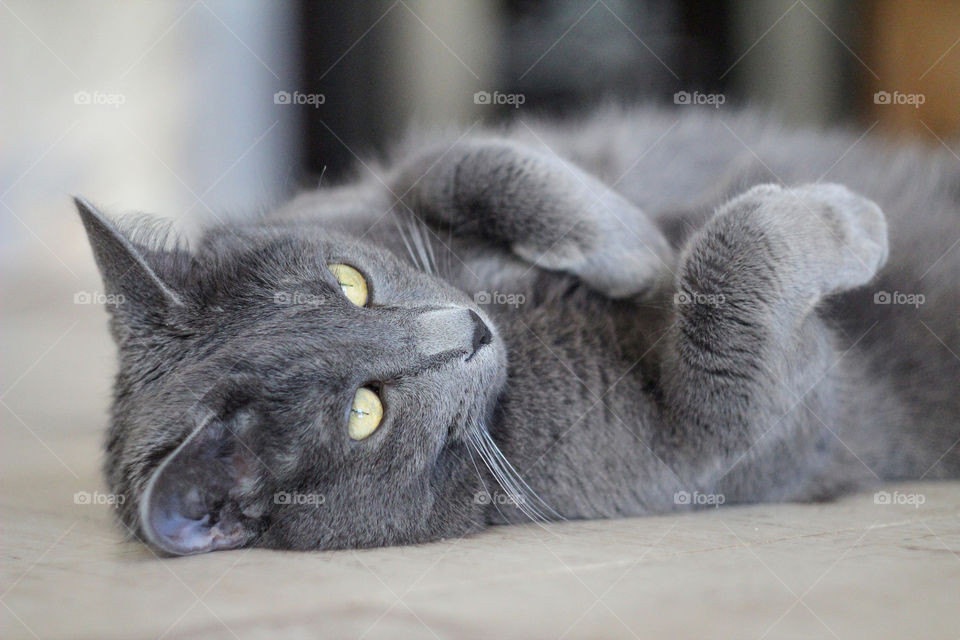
(541, 207)
(744, 344)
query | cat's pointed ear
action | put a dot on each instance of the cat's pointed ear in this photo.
(123, 267)
(192, 501)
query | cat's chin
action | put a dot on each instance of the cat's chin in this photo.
(480, 380)
(488, 366)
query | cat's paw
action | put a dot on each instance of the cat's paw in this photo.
(855, 228)
(621, 266)
(626, 265)
(833, 236)
(622, 254)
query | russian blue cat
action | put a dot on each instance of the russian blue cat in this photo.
(608, 317)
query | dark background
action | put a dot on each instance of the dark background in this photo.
(192, 129)
(815, 61)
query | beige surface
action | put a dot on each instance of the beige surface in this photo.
(852, 569)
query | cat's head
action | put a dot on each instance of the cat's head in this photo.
(291, 387)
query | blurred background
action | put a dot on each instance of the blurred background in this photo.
(194, 109)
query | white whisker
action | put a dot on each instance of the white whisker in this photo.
(480, 475)
(407, 242)
(422, 243)
(418, 245)
(506, 475)
(518, 479)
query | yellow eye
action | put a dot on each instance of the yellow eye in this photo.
(365, 414)
(351, 282)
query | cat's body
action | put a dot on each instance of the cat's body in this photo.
(660, 339)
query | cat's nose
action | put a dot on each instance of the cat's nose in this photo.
(453, 329)
(481, 333)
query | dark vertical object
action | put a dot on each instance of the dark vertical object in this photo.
(705, 49)
(566, 54)
(347, 48)
(348, 68)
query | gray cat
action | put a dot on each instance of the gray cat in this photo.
(633, 313)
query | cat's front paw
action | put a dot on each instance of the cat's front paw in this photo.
(622, 254)
(625, 266)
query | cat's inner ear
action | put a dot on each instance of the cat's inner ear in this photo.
(123, 266)
(192, 503)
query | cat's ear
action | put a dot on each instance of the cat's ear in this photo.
(192, 501)
(123, 266)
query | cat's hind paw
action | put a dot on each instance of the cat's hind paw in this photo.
(855, 227)
(834, 237)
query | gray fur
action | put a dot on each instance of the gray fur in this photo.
(684, 304)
